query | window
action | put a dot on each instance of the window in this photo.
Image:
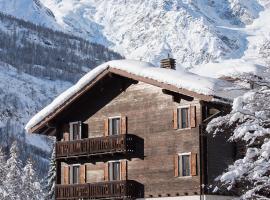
(114, 126)
(183, 164)
(183, 117)
(74, 174)
(75, 131)
(114, 171)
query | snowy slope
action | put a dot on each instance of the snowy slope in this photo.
(21, 95)
(30, 10)
(256, 55)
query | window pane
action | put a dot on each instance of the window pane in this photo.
(185, 165)
(75, 174)
(115, 126)
(114, 171)
(76, 132)
(184, 118)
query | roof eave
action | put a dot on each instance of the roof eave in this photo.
(207, 98)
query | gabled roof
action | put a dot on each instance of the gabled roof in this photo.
(180, 81)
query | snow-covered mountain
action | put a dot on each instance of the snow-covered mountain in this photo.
(195, 32)
(30, 10)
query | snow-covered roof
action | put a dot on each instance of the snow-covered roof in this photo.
(218, 89)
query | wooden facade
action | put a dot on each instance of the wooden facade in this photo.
(160, 149)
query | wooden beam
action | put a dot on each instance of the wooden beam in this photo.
(161, 85)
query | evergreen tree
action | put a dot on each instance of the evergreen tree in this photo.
(2, 172)
(51, 179)
(13, 181)
(249, 123)
(31, 186)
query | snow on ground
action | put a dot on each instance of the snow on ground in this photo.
(180, 78)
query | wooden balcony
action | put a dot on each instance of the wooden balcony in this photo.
(96, 146)
(128, 189)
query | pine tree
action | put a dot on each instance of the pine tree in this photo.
(13, 182)
(2, 172)
(31, 186)
(51, 178)
(249, 123)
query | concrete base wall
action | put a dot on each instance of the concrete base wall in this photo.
(195, 197)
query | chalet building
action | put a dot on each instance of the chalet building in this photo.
(129, 130)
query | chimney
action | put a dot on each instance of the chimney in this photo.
(168, 63)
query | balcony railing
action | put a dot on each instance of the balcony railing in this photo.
(96, 146)
(128, 189)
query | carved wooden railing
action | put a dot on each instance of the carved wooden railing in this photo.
(99, 145)
(127, 189)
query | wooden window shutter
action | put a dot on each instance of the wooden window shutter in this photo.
(124, 170)
(193, 163)
(175, 118)
(176, 166)
(192, 116)
(106, 171)
(84, 130)
(83, 174)
(66, 174)
(106, 127)
(124, 125)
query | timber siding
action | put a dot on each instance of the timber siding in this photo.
(149, 115)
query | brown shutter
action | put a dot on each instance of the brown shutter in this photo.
(192, 116)
(176, 166)
(106, 127)
(193, 162)
(175, 119)
(106, 171)
(66, 174)
(82, 174)
(124, 170)
(124, 125)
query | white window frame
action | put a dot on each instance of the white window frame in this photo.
(179, 166)
(110, 119)
(71, 173)
(178, 119)
(120, 172)
(71, 130)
